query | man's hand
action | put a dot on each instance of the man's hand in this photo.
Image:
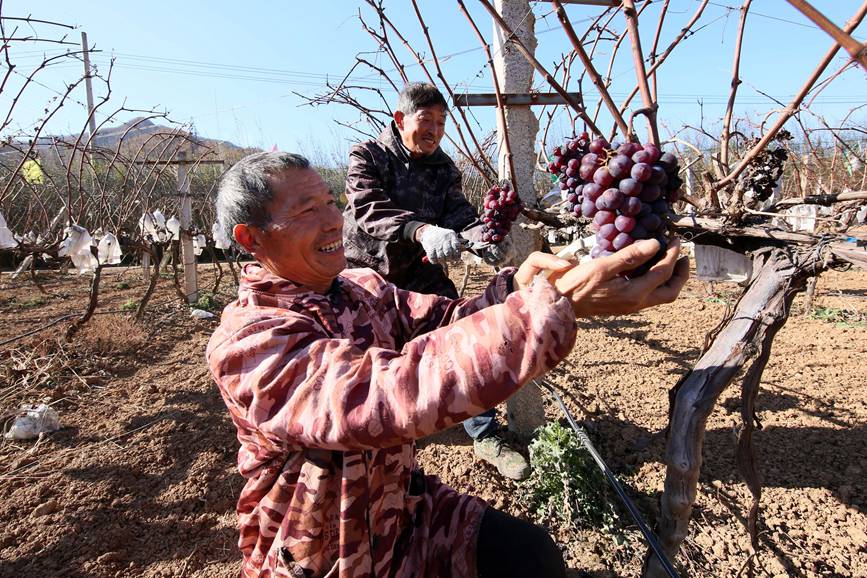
(598, 287)
(538, 263)
(439, 244)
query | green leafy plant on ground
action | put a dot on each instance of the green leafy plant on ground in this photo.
(121, 285)
(208, 302)
(715, 299)
(130, 305)
(32, 302)
(565, 482)
(840, 317)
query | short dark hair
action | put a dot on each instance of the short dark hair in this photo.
(245, 189)
(416, 95)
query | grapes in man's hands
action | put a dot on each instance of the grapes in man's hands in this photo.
(626, 191)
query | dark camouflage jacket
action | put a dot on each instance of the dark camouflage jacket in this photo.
(390, 195)
(328, 393)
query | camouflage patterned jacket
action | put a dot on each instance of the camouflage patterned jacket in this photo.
(328, 393)
(389, 196)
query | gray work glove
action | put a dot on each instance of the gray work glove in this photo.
(440, 244)
(499, 254)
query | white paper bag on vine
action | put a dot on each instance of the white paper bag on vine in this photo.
(221, 241)
(174, 227)
(7, 239)
(199, 244)
(109, 250)
(76, 245)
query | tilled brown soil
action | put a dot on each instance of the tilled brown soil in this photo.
(141, 480)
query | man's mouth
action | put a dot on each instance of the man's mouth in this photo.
(331, 247)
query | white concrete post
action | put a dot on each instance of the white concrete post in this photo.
(515, 75)
(191, 287)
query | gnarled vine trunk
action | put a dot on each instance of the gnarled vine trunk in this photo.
(779, 274)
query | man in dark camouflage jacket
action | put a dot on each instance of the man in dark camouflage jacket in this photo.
(330, 375)
(404, 203)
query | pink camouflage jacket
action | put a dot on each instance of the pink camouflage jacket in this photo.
(328, 393)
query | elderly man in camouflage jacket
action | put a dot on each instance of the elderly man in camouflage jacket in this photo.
(330, 375)
(405, 202)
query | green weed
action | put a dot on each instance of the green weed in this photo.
(208, 302)
(130, 305)
(565, 482)
(31, 303)
(840, 317)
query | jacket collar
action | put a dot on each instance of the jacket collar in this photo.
(282, 292)
(390, 137)
(254, 277)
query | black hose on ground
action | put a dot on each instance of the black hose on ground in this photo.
(612, 480)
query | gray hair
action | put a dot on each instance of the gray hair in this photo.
(245, 189)
(416, 95)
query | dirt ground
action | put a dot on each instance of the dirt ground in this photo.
(141, 479)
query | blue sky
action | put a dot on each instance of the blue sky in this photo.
(231, 68)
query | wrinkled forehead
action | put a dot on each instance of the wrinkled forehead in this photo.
(435, 112)
(292, 187)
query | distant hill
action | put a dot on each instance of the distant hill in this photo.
(134, 133)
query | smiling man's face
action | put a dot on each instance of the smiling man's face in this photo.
(422, 131)
(303, 242)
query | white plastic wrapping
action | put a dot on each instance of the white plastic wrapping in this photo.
(221, 241)
(718, 264)
(199, 244)
(109, 250)
(7, 239)
(201, 314)
(76, 245)
(802, 217)
(154, 224)
(174, 227)
(35, 420)
(159, 219)
(146, 224)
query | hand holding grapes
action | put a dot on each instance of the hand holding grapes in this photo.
(626, 191)
(599, 287)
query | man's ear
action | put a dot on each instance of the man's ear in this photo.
(246, 237)
(398, 119)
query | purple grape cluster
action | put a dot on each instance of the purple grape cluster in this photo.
(627, 191)
(566, 165)
(502, 207)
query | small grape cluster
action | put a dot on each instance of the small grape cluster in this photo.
(566, 165)
(502, 207)
(626, 191)
(766, 169)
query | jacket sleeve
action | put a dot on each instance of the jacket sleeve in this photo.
(421, 313)
(302, 388)
(458, 213)
(367, 202)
